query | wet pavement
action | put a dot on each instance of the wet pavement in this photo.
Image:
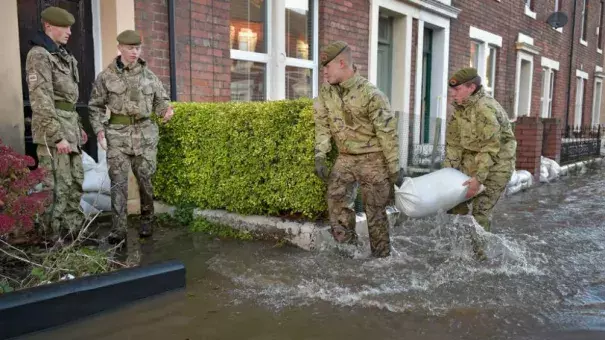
(544, 279)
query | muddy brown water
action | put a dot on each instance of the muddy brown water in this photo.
(545, 279)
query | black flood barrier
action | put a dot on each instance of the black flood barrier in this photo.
(35, 309)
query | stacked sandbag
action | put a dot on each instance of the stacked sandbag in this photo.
(96, 185)
(428, 194)
(549, 170)
(520, 180)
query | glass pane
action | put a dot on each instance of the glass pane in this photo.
(299, 29)
(552, 84)
(543, 99)
(248, 20)
(491, 67)
(247, 81)
(474, 62)
(299, 82)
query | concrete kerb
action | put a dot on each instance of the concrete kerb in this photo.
(580, 166)
(304, 234)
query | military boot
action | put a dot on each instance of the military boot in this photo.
(145, 229)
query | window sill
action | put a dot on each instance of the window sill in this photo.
(583, 42)
(599, 51)
(560, 29)
(530, 13)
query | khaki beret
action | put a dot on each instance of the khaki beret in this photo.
(129, 37)
(57, 17)
(462, 76)
(332, 51)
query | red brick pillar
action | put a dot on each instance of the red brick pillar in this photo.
(551, 144)
(529, 133)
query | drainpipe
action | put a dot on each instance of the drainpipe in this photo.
(172, 42)
(573, 41)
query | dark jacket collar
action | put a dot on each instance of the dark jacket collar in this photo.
(43, 40)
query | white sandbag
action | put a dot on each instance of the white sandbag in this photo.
(552, 168)
(524, 175)
(87, 208)
(544, 173)
(96, 179)
(428, 194)
(514, 189)
(88, 162)
(514, 179)
(99, 201)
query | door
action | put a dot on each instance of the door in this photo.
(385, 53)
(80, 44)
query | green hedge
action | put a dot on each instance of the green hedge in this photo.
(249, 158)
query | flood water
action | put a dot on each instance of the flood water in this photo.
(544, 279)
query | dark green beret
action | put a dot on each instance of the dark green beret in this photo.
(129, 37)
(57, 17)
(332, 51)
(462, 76)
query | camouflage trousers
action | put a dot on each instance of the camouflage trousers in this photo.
(484, 203)
(143, 166)
(370, 171)
(63, 179)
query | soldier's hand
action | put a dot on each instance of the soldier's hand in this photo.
(63, 147)
(321, 169)
(102, 140)
(168, 115)
(84, 136)
(473, 187)
(398, 177)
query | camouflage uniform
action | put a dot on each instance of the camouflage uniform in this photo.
(359, 119)
(480, 143)
(52, 80)
(131, 95)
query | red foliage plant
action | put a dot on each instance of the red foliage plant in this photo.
(19, 205)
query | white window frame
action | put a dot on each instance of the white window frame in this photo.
(275, 59)
(486, 40)
(581, 79)
(528, 10)
(523, 56)
(582, 41)
(525, 52)
(549, 68)
(597, 101)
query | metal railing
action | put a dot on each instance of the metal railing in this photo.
(580, 143)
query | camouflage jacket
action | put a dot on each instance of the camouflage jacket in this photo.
(479, 138)
(359, 118)
(52, 75)
(136, 92)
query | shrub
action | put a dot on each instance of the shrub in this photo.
(249, 158)
(18, 205)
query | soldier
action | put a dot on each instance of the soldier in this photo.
(357, 115)
(130, 91)
(52, 80)
(480, 143)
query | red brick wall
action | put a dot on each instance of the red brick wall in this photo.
(347, 20)
(202, 46)
(507, 19)
(551, 144)
(151, 19)
(529, 134)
